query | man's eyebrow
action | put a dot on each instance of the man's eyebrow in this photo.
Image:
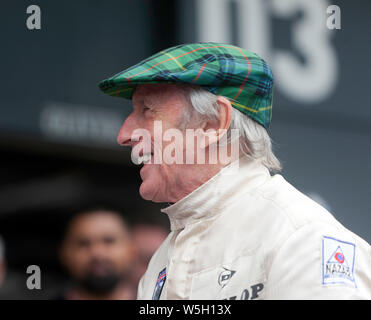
(148, 102)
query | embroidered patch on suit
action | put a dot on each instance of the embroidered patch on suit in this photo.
(159, 284)
(338, 259)
(225, 276)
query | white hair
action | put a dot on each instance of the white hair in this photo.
(255, 142)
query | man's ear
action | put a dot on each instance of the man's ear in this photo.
(225, 112)
(214, 130)
(133, 252)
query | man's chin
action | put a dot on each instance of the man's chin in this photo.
(147, 192)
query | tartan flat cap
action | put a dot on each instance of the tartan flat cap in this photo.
(222, 69)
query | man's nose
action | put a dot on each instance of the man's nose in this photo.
(98, 249)
(124, 137)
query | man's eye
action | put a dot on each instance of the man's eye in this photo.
(109, 240)
(83, 243)
(146, 109)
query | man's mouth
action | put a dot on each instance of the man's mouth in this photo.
(144, 158)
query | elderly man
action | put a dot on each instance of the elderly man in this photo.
(235, 234)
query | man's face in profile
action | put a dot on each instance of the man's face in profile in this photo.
(166, 105)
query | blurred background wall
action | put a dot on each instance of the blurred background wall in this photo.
(57, 130)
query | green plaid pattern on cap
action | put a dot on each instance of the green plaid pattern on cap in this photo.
(237, 74)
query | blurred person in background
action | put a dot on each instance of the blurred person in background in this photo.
(97, 252)
(147, 238)
(2, 261)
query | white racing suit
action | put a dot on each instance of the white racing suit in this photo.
(254, 236)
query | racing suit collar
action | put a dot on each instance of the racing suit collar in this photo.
(217, 193)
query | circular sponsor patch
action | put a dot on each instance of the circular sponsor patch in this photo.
(339, 257)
